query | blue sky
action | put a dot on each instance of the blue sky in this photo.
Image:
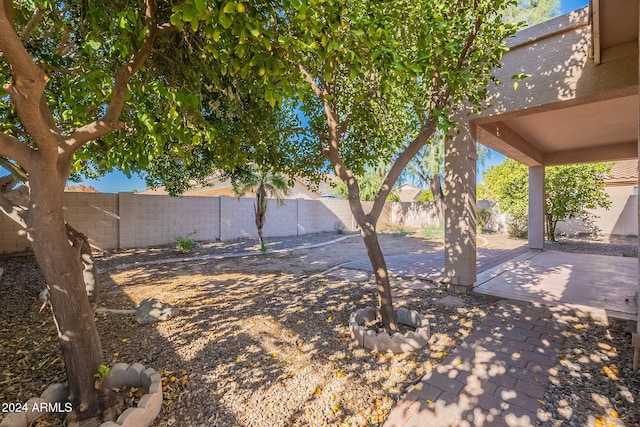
(118, 182)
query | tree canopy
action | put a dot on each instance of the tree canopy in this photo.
(91, 85)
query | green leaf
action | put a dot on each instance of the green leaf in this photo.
(225, 21)
(189, 14)
(93, 44)
(253, 29)
(177, 21)
(230, 7)
(201, 6)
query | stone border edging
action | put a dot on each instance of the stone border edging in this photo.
(122, 375)
(383, 342)
(149, 405)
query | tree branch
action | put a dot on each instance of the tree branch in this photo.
(33, 22)
(12, 148)
(120, 89)
(398, 166)
(27, 86)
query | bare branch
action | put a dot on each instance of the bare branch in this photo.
(15, 212)
(16, 171)
(12, 48)
(33, 22)
(314, 86)
(27, 90)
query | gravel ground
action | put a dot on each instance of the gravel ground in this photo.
(258, 346)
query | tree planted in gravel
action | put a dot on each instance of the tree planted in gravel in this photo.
(101, 84)
(571, 192)
(378, 79)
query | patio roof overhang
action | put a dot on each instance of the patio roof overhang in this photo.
(581, 102)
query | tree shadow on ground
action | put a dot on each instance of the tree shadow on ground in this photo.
(267, 348)
(30, 357)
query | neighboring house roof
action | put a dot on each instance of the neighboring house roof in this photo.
(624, 172)
(408, 192)
(216, 188)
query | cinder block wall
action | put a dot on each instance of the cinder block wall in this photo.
(315, 216)
(96, 215)
(12, 240)
(237, 218)
(621, 219)
(147, 220)
(128, 220)
(281, 220)
(413, 214)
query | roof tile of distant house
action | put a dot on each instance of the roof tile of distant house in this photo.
(623, 171)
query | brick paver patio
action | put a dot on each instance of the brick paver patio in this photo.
(495, 378)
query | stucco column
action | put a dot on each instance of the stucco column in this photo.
(460, 209)
(536, 207)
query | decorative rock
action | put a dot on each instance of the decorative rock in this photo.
(122, 375)
(398, 343)
(451, 301)
(152, 310)
(55, 393)
(33, 409)
(15, 419)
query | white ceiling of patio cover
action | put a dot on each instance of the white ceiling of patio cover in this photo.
(595, 124)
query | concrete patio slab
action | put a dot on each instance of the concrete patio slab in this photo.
(593, 282)
(430, 265)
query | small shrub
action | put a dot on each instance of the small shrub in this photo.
(424, 196)
(517, 226)
(101, 375)
(482, 218)
(338, 226)
(186, 244)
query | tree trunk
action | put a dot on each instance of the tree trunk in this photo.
(13, 203)
(551, 228)
(385, 299)
(91, 283)
(374, 251)
(62, 269)
(261, 213)
(438, 196)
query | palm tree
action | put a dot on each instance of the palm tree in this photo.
(265, 184)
